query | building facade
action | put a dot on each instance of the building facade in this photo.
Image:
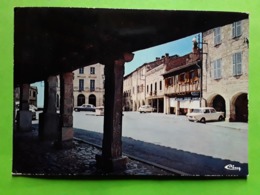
(183, 83)
(225, 65)
(214, 74)
(88, 85)
(33, 91)
(155, 84)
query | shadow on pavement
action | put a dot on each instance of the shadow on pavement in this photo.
(187, 162)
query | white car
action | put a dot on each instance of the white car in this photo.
(85, 107)
(146, 108)
(205, 114)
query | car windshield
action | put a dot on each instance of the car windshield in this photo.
(197, 111)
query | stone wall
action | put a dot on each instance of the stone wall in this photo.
(227, 86)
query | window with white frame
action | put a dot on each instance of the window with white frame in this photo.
(236, 29)
(217, 36)
(217, 69)
(92, 85)
(81, 70)
(81, 84)
(92, 70)
(237, 63)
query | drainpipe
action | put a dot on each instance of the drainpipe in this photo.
(200, 81)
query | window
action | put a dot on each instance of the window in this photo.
(81, 70)
(237, 64)
(194, 75)
(181, 77)
(212, 110)
(168, 82)
(155, 86)
(81, 84)
(92, 70)
(151, 88)
(92, 85)
(236, 29)
(187, 77)
(217, 36)
(160, 85)
(147, 88)
(217, 69)
(141, 88)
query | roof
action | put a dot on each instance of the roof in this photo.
(50, 41)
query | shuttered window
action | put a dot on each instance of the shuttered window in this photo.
(237, 63)
(217, 69)
(236, 29)
(217, 36)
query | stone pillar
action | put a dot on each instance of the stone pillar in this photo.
(66, 109)
(111, 158)
(24, 116)
(165, 109)
(230, 113)
(49, 119)
(177, 108)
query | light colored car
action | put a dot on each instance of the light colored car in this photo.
(85, 107)
(146, 108)
(205, 114)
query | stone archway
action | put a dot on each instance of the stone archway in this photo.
(241, 108)
(92, 99)
(219, 104)
(80, 99)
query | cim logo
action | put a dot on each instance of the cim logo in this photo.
(232, 167)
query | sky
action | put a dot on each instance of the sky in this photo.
(180, 47)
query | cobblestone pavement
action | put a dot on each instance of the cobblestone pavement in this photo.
(36, 158)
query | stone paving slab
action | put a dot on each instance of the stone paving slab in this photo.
(35, 158)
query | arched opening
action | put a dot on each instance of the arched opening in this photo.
(92, 99)
(80, 99)
(219, 104)
(241, 108)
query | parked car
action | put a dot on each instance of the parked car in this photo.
(146, 108)
(205, 114)
(85, 107)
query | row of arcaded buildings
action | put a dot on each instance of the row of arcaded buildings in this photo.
(215, 74)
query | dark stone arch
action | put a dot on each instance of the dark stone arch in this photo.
(92, 99)
(241, 108)
(219, 104)
(81, 99)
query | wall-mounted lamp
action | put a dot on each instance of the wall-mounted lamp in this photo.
(246, 41)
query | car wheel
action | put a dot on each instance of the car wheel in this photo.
(221, 118)
(203, 120)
